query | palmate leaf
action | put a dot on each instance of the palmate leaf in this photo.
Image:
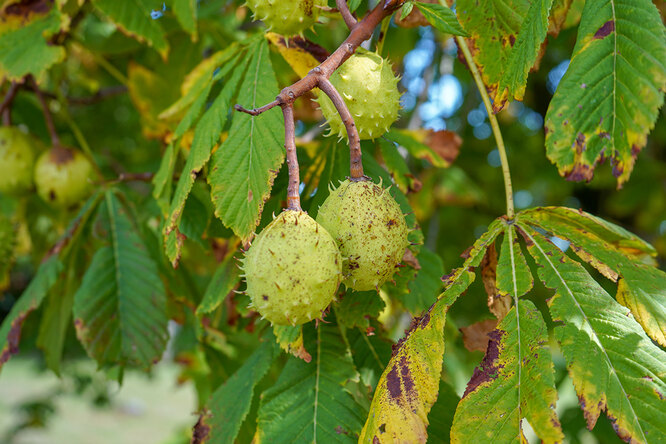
(245, 165)
(513, 274)
(514, 381)
(120, 308)
(206, 135)
(231, 402)
(408, 387)
(133, 17)
(608, 100)
(613, 364)
(616, 253)
(25, 50)
(309, 402)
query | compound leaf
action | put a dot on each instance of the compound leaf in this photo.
(609, 98)
(408, 387)
(613, 364)
(514, 381)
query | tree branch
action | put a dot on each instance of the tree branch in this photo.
(293, 196)
(5, 106)
(346, 14)
(318, 77)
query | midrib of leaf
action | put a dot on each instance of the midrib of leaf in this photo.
(114, 245)
(318, 372)
(510, 233)
(254, 105)
(615, 32)
(596, 337)
(372, 350)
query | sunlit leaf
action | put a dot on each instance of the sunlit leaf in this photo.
(609, 98)
(302, 55)
(408, 387)
(245, 165)
(514, 381)
(613, 364)
(441, 18)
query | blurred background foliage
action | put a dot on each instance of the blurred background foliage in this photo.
(453, 206)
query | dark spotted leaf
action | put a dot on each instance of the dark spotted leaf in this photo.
(618, 255)
(612, 362)
(609, 98)
(245, 165)
(514, 381)
(408, 387)
(120, 309)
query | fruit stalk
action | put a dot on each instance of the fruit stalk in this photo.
(359, 32)
(346, 14)
(355, 156)
(508, 189)
(293, 197)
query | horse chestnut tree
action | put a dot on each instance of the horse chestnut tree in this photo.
(218, 168)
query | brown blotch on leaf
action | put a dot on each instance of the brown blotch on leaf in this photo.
(488, 369)
(445, 143)
(579, 173)
(250, 196)
(605, 30)
(407, 380)
(393, 383)
(200, 431)
(13, 338)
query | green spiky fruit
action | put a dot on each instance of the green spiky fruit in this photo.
(17, 159)
(370, 89)
(62, 176)
(370, 230)
(287, 17)
(292, 269)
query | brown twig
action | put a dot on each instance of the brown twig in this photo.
(5, 106)
(347, 15)
(359, 32)
(356, 164)
(293, 196)
(48, 117)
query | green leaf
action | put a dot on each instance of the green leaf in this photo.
(231, 403)
(370, 352)
(408, 387)
(245, 165)
(133, 17)
(163, 180)
(25, 50)
(406, 9)
(613, 364)
(225, 279)
(206, 136)
(525, 51)
(357, 307)
(290, 340)
(514, 381)
(493, 26)
(31, 299)
(609, 98)
(309, 403)
(441, 18)
(186, 13)
(616, 253)
(513, 274)
(395, 164)
(120, 308)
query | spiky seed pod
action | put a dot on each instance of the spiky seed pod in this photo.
(370, 90)
(287, 17)
(62, 176)
(370, 230)
(293, 269)
(17, 159)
